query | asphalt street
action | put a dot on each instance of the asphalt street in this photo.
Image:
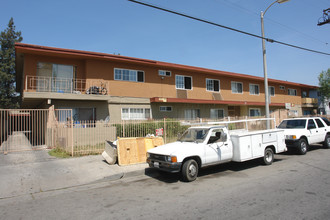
(293, 187)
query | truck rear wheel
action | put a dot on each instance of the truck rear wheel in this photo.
(326, 143)
(190, 170)
(268, 156)
(302, 147)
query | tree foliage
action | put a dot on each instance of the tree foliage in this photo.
(324, 83)
(8, 96)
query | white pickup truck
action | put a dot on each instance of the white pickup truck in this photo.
(302, 132)
(204, 146)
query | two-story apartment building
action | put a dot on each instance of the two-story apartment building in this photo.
(97, 85)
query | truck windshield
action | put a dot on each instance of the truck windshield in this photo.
(194, 135)
(293, 124)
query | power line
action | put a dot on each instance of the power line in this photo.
(237, 6)
(226, 27)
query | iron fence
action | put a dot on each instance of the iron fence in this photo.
(30, 129)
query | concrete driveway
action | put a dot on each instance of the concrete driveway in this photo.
(35, 171)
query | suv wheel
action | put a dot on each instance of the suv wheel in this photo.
(326, 143)
(302, 146)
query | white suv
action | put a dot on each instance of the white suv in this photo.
(302, 132)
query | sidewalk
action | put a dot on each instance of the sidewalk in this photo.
(35, 171)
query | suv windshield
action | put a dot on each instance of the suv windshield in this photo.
(194, 135)
(293, 124)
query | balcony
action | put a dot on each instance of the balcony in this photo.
(66, 85)
(309, 102)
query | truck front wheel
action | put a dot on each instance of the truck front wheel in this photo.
(190, 170)
(268, 156)
(302, 146)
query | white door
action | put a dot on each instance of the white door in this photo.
(321, 130)
(217, 148)
(256, 143)
(212, 153)
(311, 126)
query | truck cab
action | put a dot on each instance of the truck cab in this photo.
(206, 145)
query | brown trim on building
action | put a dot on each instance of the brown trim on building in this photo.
(203, 101)
(43, 50)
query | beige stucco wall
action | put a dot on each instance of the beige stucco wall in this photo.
(154, 86)
(157, 86)
(102, 110)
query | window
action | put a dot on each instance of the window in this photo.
(165, 108)
(213, 85)
(183, 82)
(282, 87)
(191, 113)
(293, 113)
(292, 92)
(307, 112)
(135, 113)
(326, 121)
(164, 73)
(311, 124)
(55, 77)
(254, 89)
(129, 75)
(293, 124)
(79, 114)
(254, 112)
(236, 87)
(84, 114)
(304, 94)
(271, 90)
(319, 123)
(217, 113)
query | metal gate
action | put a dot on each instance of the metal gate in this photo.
(34, 129)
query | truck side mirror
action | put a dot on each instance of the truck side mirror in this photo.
(223, 137)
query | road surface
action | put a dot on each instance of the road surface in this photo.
(293, 187)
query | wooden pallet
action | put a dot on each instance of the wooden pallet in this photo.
(134, 150)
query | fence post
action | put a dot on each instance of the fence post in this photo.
(123, 126)
(165, 131)
(71, 132)
(246, 123)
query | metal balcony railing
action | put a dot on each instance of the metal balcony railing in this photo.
(66, 85)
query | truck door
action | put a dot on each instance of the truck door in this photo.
(217, 148)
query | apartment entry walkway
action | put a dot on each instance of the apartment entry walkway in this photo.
(32, 129)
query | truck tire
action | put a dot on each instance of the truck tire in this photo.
(326, 143)
(190, 170)
(302, 147)
(268, 156)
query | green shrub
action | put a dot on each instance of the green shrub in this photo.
(142, 129)
(59, 153)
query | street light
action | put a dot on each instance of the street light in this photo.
(264, 58)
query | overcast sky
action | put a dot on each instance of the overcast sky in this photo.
(120, 26)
